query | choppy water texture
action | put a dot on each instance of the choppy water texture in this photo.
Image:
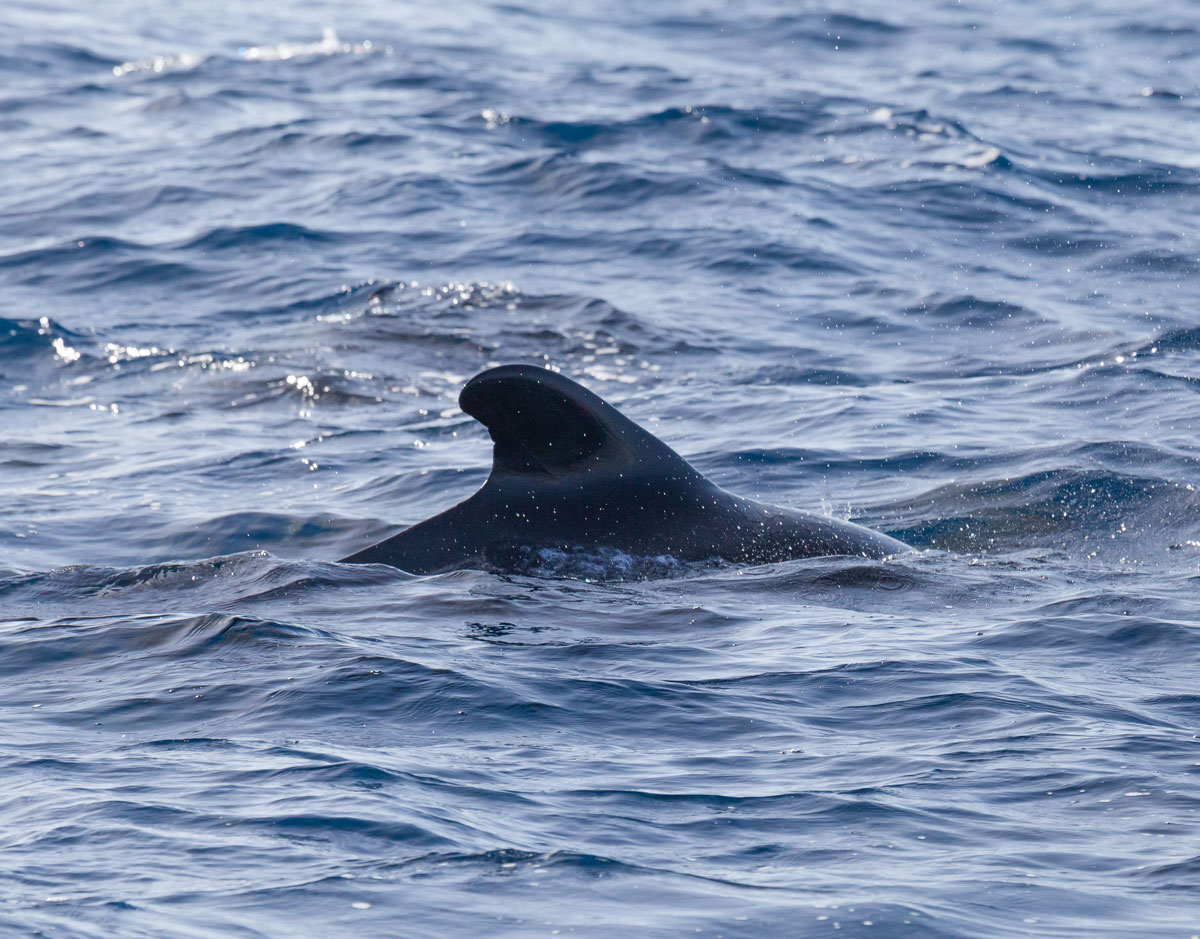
(932, 267)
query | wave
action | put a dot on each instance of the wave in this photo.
(329, 44)
(710, 125)
(1091, 510)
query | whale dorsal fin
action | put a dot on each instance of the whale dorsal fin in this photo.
(544, 423)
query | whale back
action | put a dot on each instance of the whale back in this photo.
(568, 469)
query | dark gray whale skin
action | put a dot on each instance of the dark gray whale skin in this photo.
(569, 471)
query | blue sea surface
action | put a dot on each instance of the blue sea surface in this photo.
(932, 267)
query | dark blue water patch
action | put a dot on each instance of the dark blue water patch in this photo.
(24, 339)
(1066, 242)
(189, 107)
(93, 263)
(95, 210)
(85, 644)
(600, 186)
(84, 249)
(266, 135)
(52, 59)
(831, 31)
(641, 82)
(795, 258)
(349, 297)
(1142, 181)
(799, 375)
(62, 99)
(307, 138)
(411, 194)
(254, 530)
(438, 81)
(1177, 340)
(710, 125)
(1081, 507)
(845, 30)
(751, 176)
(1149, 264)
(967, 204)
(975, 313)
(272, 233)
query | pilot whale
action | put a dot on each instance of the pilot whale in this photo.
(569, 470)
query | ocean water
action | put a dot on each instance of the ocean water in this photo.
(932, 267)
